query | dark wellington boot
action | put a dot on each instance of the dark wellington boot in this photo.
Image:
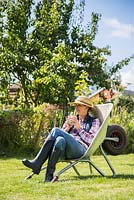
(41, 157)
(53, 159)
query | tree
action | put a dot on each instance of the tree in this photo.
(48, 51)
(14, 57)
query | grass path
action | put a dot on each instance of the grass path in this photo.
(70, 186)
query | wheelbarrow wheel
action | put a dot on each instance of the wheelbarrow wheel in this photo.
(112, 147)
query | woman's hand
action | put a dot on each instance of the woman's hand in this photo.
(72, 120)
(66, 127)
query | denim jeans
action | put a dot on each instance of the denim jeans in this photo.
(71, 148)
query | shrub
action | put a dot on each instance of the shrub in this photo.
(24, 130)
(123, 115)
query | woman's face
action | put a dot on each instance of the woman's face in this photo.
(81, 109)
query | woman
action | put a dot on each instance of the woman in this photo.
(69, 142)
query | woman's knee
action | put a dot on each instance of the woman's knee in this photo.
(55, 132)
(60, 143)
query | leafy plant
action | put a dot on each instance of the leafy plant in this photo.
(123, 115)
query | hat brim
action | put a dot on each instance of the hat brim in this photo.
(81, 103)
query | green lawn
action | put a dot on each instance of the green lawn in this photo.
(70, 186)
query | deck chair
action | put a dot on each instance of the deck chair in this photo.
(103, 113)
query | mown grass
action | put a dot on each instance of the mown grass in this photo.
(13, 185)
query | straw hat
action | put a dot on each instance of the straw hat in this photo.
(82, 100)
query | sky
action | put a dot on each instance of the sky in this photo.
(116, 29)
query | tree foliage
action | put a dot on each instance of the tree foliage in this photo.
(48, 51)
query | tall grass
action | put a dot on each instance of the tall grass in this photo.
(70, 186)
